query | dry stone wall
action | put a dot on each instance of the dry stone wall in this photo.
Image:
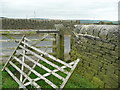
(35, 24)
(97, 47)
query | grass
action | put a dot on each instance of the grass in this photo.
(0, 77)
(75, 81)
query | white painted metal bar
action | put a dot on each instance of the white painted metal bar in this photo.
(15, 78)
(45, 60)
(46, 39)
(11, 48)
(27, 39)
(43, 67)
(6, 48)
(68, 76)
(23, 59)
(31, 81)
(46, 54)
(36, 73)
(12, 53)
(12, 40)
(40, 39)
(47, 74)
(41, 31)
(53, 46)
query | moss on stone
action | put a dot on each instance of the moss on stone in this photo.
(97, 81)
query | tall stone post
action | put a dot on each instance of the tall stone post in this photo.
(60, 41)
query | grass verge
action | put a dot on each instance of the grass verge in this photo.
(75, 81)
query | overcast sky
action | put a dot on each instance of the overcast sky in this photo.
(60, 9)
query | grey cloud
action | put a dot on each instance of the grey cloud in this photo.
(61, 8)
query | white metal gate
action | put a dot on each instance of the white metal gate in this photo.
(26, 58)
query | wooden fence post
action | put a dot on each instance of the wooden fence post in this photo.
(60, 41)
(54, 49)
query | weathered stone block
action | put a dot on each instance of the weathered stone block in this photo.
(110, 82)
(103, 34)
(97, 30)
(108, 58)
(114, 53)
(94, 71)
(97, 81)
(100, 76)
(90, 30)
(88, 76)
(93, 42)
(107, 86)
(98, 54)
(108, 45)
(89, 71)
(114, 77)
(99, 43)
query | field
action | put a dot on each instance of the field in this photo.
(75, 81)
